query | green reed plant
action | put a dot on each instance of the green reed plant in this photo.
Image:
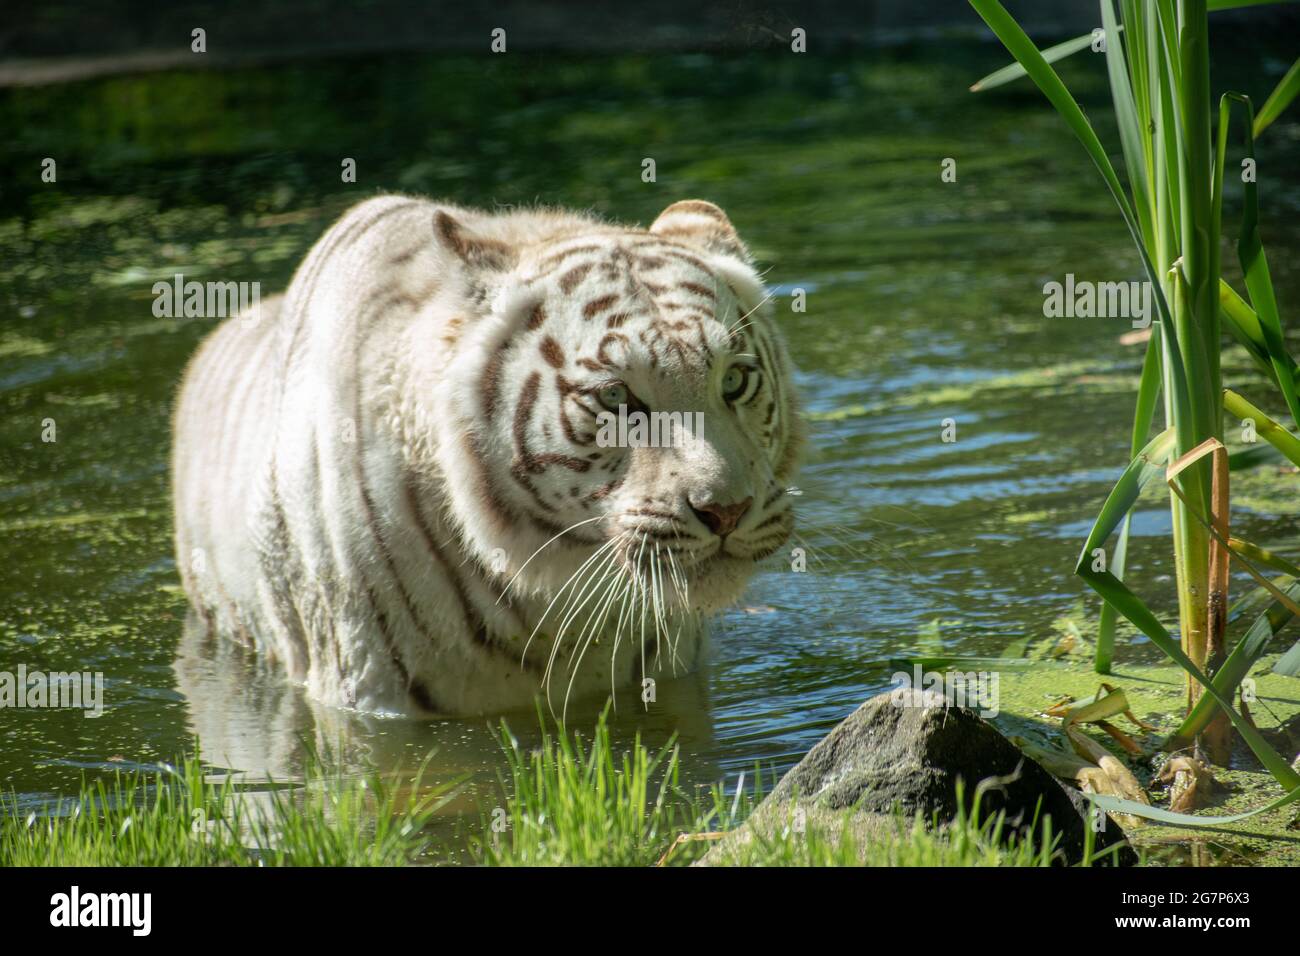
(1176, 165)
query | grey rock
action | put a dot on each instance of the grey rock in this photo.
(907, 749)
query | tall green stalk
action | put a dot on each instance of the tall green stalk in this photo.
(1202, 611)
(1157, 58)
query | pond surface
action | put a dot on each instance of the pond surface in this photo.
(924, 303)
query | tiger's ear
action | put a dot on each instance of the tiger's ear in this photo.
(700, 223)
(477, 252)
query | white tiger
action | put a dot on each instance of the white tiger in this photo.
(389, 480)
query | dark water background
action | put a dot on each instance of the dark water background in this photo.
(924, 303)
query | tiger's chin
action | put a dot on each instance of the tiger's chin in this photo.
(717, 582)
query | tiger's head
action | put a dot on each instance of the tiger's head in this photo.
(623, 401)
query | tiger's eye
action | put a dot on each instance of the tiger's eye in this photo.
(612, 396)
(734, 382)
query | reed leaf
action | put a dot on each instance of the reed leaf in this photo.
(1144, 413)
(1116, 805)
(1040, 71)
(1244, 325)
(1248, 651)
(1289, 665)
(1265, 427)
(1014, 71)
(1254, 264)
(1278, 100)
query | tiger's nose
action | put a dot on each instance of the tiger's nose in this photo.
(720, 519)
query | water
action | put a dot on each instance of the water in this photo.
(924, 304)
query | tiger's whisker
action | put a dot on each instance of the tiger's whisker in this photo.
(591, 630)
(808, 548)
(641, 601)
(626, 605)
(559, 594)
(591, 591)
(510, 583)
(660, 616)
(762, 302)
(682, 586)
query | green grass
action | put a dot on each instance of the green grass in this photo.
(583, 803)
(574, 801)
(903, 841)
(181, 816)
